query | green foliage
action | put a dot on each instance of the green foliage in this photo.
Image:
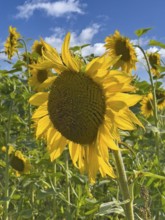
(156, 43)
(52, 191)
(142, 31)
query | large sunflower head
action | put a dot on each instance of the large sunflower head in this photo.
(154, 60)
(147, 105)
(118, 45)
(11, 43)
(84, 109)
(39, 78)
(18, 161)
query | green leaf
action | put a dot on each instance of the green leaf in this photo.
(156, 43)
(161, 69)
(91, 211)
(26, 213)
(18, 64)
(142, 31)
(76, 48)
(16, 196)
(113, 207)
(10, 71)
(148, 174)
(20, 45)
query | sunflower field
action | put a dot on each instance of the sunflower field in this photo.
(81, 137)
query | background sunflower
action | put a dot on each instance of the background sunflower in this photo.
(11, 44)
(118, 45)
(154, 60)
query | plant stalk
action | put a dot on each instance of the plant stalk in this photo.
(123, 184)
(155, 109)
(55, 186)
(6, 177)
(67, 182)
(152, 86)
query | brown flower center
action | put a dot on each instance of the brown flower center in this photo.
(153, 61)
(76, 107)
(16, 163)
(160, 98)
(42, 75)
(149, 105)
(38, 48)
(122, 49)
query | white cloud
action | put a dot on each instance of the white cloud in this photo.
(84, 37)
(162, 53)
(152, 50)
(88, 33)
(143, 41)
(56, 9)
(3, 56)
(96, 49)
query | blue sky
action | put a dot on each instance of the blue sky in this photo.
(88, 21)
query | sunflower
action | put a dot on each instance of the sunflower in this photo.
(118, 45)
(39, 78)
(154, 60)
(18, 161)
(160, 96)
(11, 43)
(84, 109)
(147, 105)
(37, 47)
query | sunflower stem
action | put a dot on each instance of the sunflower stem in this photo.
(6, 177)
(155, 109)
(28, 88)
(55, 185)
(152, 86)
(67, 182)
(123, 184)
(26, 51)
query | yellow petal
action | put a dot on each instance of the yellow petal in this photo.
(129, 99)
(74, 150)
(105, 140)
(105, 168)
(42, 125)
(45, 64)
(117, 105)
(68, 59)
(124, 121)
(55, 139)
(50, 133)
(92, 162)
(39, 98)
(48, 82)
(57, 143)
(57, 152)
(51, 54)
(113, 87)
(51, 59)
(134, 118)
(92, 66)
(103, 62)
(81, 162)
(104, 153)
(40, 112)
